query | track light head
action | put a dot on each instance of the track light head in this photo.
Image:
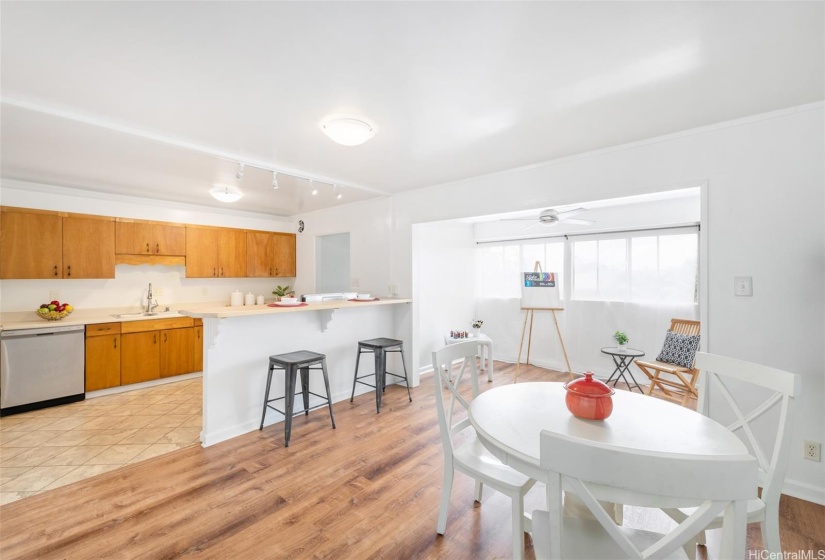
(275, 180)
(239, 174)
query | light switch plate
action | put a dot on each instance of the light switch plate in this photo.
(743, 286)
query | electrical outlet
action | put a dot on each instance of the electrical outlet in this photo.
(391, 289)
(158, 291)
(54, 295)
(812, 451)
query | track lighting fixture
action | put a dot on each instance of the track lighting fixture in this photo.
(312, 186)
(239, 174)
(275, 180)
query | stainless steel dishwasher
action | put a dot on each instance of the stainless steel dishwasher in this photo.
(41, 367)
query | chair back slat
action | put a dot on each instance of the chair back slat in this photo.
(716, 486)
(443, 360)
(684, 326)
(786, 387)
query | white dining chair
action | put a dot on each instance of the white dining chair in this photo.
(463, 452)
(713, 486)
(722, 376)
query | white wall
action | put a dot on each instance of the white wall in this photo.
(129, 286)
(766, 214)
(444, 283)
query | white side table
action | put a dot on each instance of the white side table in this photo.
(486, 344)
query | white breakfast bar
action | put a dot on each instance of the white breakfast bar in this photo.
(239, 340)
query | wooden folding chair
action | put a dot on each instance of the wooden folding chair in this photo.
(678, 383)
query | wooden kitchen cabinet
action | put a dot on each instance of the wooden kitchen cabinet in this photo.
(103, 352)
(176, 356)
(149, 238)
(215, 252)
(284, 254)
(140, 357)
(197, 349)
(270, 254)
(88, 247)
(31, 244)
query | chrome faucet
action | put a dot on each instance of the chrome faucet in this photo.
(150, 305)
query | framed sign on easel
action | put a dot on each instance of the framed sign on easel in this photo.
(539, 292)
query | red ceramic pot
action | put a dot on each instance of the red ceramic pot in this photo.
(589, 398)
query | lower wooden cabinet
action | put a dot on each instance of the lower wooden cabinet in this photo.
(176, 356)
(103, 354)
(133, 352)
(102, 362)
(198, 346)
(140, 357)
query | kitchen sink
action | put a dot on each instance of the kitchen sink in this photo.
(164, 313)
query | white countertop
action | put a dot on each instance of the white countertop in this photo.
(16, 320)
(223, 311)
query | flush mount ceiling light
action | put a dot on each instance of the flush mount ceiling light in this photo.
(226, 193)
(348, 131)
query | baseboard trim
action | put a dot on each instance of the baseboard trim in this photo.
(804, 491)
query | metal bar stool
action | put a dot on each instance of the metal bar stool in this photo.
(379, 347)
(291, 363)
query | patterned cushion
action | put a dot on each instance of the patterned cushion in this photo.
(679, 349)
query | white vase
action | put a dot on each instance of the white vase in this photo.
(476, 332)
(622, 347)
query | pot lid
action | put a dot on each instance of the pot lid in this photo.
(588, 386)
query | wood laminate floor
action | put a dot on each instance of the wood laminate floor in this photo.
(369, 489)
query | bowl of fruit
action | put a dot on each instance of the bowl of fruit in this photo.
(54, 311)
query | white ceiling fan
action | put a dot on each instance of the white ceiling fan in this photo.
(550, 217)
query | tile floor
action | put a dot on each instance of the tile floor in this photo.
(49, 448)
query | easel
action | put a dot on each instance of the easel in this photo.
(530, 314)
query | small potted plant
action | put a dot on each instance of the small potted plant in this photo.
(282, 292)
(477, 326)
(621, 340)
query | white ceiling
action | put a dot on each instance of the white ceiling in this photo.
(161, 99)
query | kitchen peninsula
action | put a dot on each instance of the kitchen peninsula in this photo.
(239, 340)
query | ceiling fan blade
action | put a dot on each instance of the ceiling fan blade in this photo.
(578, 221)
(531, 226)
(571, 213)
(516, 219)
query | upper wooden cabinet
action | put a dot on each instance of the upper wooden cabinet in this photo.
(285, 254)
(215, 252)
(88, 247)
(47, 245)
(270, 254)
(149, 238)
(31, 245)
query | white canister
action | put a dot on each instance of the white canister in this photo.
(249, 299)
(260, 300)
(236, 299)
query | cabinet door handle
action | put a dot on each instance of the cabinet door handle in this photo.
(157, 247)
(270, 271)
(115, 341)
(147, 247)
(55, 270)
(214, 273)
(69, 270)
(199, 335)
(155, 339)
(221, 272)
(164, 337)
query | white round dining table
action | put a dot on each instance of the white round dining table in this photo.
(509, 420)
